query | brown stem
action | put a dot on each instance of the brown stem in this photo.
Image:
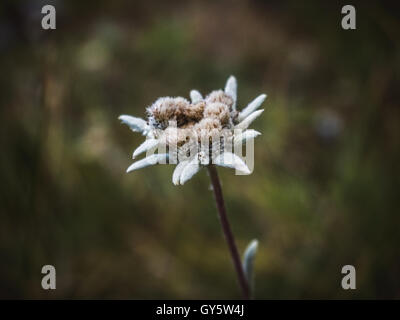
(227, 230)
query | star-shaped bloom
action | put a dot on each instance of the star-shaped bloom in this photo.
(196, 133)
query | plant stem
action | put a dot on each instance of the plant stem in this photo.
(227, 230)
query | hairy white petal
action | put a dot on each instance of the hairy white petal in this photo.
(149, 161)
(231, 160)
(246, 135)
(195, 96)
(249, 119)
(231, 90)
(145, 146)
(190, 169)
(176, 176)
(136, 124)
(252, 106)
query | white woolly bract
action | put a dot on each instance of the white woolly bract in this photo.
(136, 124)
(148, 161)
(249, 119)
(231, 160)
(145, 146)
(245, 136)
(190, 170)
(252, 106)
(176, 176)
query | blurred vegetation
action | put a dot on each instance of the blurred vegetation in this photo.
(325, 191)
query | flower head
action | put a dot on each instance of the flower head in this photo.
(195, 133)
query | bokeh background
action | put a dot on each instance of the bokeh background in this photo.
(325, 190)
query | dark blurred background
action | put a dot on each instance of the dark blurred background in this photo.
(325, 188)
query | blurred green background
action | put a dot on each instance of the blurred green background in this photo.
(325, 190)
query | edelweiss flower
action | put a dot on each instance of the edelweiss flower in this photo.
(193, 134)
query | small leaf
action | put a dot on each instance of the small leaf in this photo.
(248, 262)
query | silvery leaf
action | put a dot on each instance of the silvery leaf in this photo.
(145, 146)
(190, 170)
(176, 176)
(148, 161)
(252, 106)
(136, 124)
(245, 135)
(231, 160)
(249, 119)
